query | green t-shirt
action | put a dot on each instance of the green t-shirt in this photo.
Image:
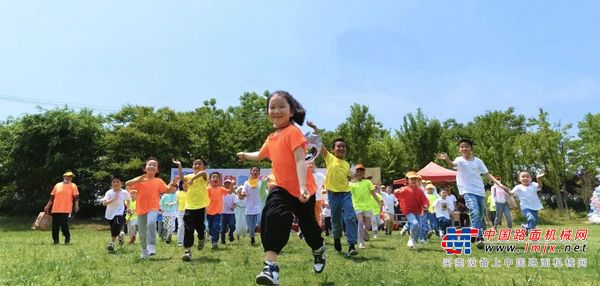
(361, 195)
(491, 203)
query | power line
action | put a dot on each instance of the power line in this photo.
(56, 103)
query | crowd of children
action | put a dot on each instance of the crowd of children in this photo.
(341, 201)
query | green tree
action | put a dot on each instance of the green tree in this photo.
(420, 136)
(358, 130)
(42, 147)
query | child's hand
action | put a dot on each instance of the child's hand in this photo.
(176, 162)
(540, 175)
(442, 156)
(312, 125)
(241, 156)
(304, 195)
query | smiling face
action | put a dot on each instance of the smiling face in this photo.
(465, 149)
(151, 168)
(198, 165)
(214, 180)
(339, 149)
(279, 111)
(254, 172)
(525, 178)
(360, 174)
(413, 182)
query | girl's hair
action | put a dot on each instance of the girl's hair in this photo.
(298, 112)
(524, 171)
(338, 140)
(151, 158)
(255, 167)
(115, 178)
(214, 173)
(202, 160)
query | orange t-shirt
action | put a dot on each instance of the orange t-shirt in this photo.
(279, 147)
(63, 197)
(216, 200)
(148, 195)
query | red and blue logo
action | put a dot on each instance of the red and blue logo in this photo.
(458, 241)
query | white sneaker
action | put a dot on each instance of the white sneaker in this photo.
(423, 241)
(145, 254)
(375, 236)
(411, 243)
(151, 249)
(269, 275)
(441, 233)
(121, 238)
(403, 231)
(361, 246)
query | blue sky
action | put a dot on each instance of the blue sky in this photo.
(453, 59)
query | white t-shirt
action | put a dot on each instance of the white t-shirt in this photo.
(229, 202)
(528, 196)
(440, 211)
(388, 202)
(320, 181)
(116, 207)
(253, 203)
(468, 176)
(499, 194)
(451, 199)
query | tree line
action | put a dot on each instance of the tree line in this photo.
(35, 149)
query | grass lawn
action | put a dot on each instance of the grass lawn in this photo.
(28, 257)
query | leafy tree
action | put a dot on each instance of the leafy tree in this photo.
(420, 137)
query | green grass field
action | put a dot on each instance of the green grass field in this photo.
(28, 257)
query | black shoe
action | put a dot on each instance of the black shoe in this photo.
(67, 240)
(222, 238)
(252, 241)
(319, 259)
(480, 243)
(351, 250)
(231, 238)
(187, 255)
(201, 243)
(55, 242)
(269, 275)
(337, 244)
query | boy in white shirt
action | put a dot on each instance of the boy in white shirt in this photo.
(115, 201)
(470, 185)
(530, 202)
(389, 201)
(443, 209)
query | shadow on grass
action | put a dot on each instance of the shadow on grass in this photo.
(360, 258)
(327, 284)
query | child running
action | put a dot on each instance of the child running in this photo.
(363, 192)
(213, 213)
(230, 202)
(412, 203)
(196, 202)
(149, 187)
(389, 202)
(293, 187)
(132, 228)
(168, 207)
(253, 205)
(338, 193)
(530, 202)
(115, 200)
(470, 185)
(443, 210)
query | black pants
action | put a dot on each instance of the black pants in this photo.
(277, 217)
(116, 224)
(327, 225)
(193, 220)
(60, 220)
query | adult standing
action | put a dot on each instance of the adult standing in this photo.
(64, 199)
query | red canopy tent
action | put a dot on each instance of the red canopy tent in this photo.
(434, 173)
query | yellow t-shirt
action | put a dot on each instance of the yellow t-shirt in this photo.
(197, 193)
(431, 198)
(181, 200)
(336, 179)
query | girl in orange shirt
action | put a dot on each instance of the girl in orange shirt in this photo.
(293, 187)
(149, 187)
